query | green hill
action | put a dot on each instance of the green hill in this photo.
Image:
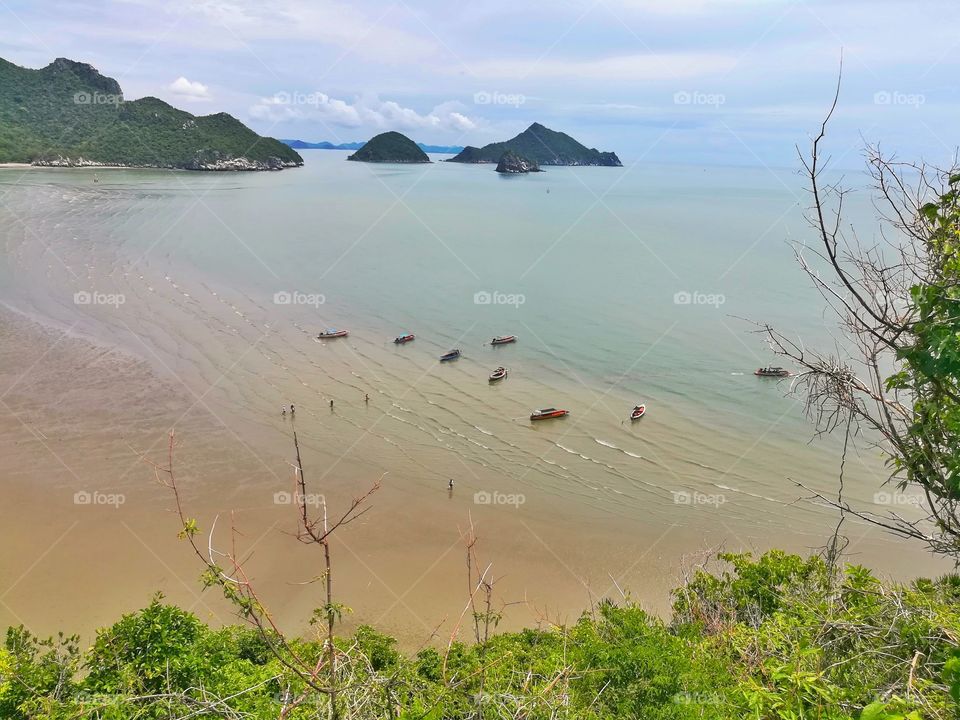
(390, 147)
(543, 146)
(69, 114)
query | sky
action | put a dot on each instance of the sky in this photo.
(695, 81)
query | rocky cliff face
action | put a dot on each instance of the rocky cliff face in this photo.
(511, 163)
(85, 73)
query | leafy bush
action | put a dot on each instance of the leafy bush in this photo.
(779, 637)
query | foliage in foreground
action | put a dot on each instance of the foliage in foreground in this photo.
(774, 637)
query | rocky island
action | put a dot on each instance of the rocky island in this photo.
(69, 115)
(540, 145)
(390, 147)
(512, 164)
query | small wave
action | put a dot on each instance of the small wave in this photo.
(633, 455)
(745, 492)
(605, 443)
(572, 452)
(485, 432)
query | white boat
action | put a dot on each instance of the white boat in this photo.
(499, 374)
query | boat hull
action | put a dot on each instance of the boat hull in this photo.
(549, 416)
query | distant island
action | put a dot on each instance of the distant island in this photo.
(540, 145)
(304, 145)
(390, 147)
(512, 164)
(69, 115)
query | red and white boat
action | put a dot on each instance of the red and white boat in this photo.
(403, 339)
(503, 340)
(638, 412)
(332, 333)
(548, 413)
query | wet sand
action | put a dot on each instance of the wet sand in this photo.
(78, 416)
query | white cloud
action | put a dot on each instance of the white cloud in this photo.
(368, 112)
(372, 33)
(189, 90)
(647, 66)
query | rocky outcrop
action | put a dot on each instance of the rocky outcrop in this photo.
(87, 74)
(511, 163)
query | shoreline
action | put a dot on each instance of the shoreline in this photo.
(36, 166)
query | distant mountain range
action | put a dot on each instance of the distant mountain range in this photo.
(68, 114)
(303, 145)
(540, 145)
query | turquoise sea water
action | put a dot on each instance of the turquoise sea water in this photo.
(624, 285)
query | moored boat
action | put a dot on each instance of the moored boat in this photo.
(332, 333)
(772, 372)
(401, 339)
(503, 339)
(452, 355)
(499, 374)
(638, 412)
(548, 413)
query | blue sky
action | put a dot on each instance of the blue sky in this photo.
(703, 81)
